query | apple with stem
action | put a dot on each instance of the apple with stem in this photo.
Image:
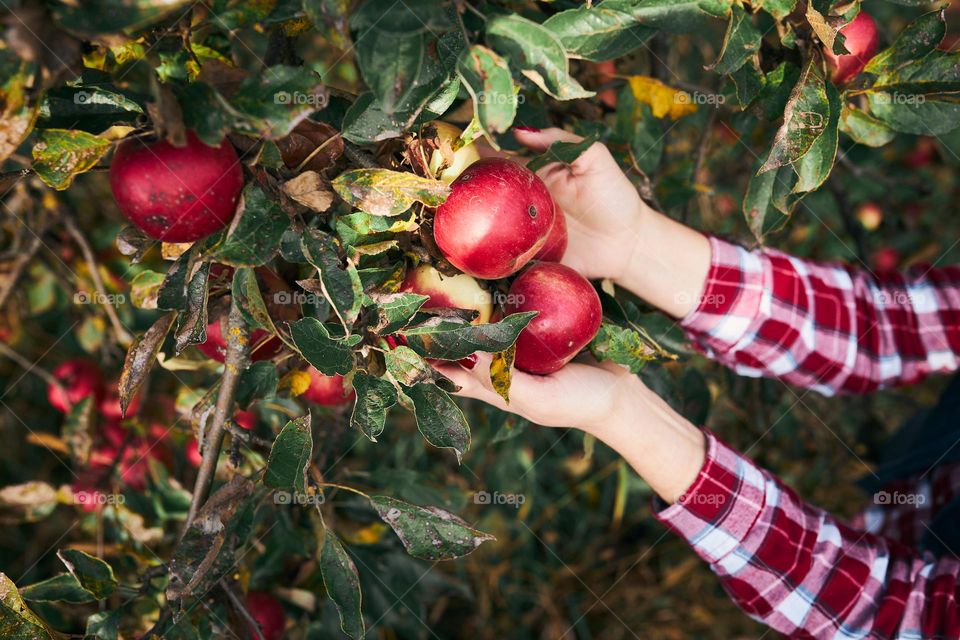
(497, 217)
(463, 156)
(449, 292)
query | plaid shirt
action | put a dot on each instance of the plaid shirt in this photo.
(834, 329)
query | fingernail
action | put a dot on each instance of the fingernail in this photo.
(469, 362)
(527, 129)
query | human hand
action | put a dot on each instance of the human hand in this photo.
(603, 209)
(608, 402)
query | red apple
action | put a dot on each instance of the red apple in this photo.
(193, 453)
(462, 157)
(176, 194)
(496, 218)
(556, 244)
(862, 41)
(607, 70)
(245, 419)
(269, 614)
(80, 379)
(886, 259)
(569, 316)
(922, 155)
(870, 215)
(449, 292)
(327, 390)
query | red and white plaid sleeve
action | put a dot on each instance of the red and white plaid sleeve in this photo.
(828, 327)
(800, 571)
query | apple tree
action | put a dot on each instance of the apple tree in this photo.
(221, 293)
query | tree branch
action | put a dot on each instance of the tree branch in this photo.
(123, 336)
(237, 359)
(241, 608)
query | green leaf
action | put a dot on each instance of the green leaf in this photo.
(61, 154)
(740, 43)
(254, 238)
(451, 341)
(17, 622)
(246, 291)
(396, 310)
(108, 16)
(381, 192)
(864, 128)
(625, 346)
(429, 533)
(805, 119)
(601, 32)
(106, 626)
(341, 286)
(172, 294)
(439, 418)
(406, 366)
(375, 396)
(487, 78)
(765, 203)
(144, 289)
(259, 380)
(273, 101)
(90, 108)
(748, 81)
(342, 584)
(290, 456)
(565, 152)
(60, 588)
(918, 39)
(140, 358)
(537, 53)
(93, 574)
(329, 355)
(816, 164)
(779, 9)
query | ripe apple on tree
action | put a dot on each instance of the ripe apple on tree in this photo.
(870, 215)
(268, 613)
(569, 316)
(79, 379)
(176, 194)
(327, 391)
(463, 157)
(497, 217)
(449, 292)
(862, 41)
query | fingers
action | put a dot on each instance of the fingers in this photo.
(540, 140)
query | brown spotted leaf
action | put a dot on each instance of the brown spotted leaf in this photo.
(140, 358)
(429, 533)
(382, 192)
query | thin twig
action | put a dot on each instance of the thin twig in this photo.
(358, 156)
(19, 265)
(703, 149)
(29, 367)
(123, 336)
(237, 359)
(241, 608)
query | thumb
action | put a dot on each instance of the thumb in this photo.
(539, 140)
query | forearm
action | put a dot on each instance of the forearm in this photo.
(668, 262)
(661, 446)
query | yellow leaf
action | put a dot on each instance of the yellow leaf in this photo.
(664, 100)
(500, 372)
(297, 382)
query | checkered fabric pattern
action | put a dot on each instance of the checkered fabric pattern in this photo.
(833, 329)
(802, 572)
(827, 327)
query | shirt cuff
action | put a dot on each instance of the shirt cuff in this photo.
(720, 508)
(730, 301)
